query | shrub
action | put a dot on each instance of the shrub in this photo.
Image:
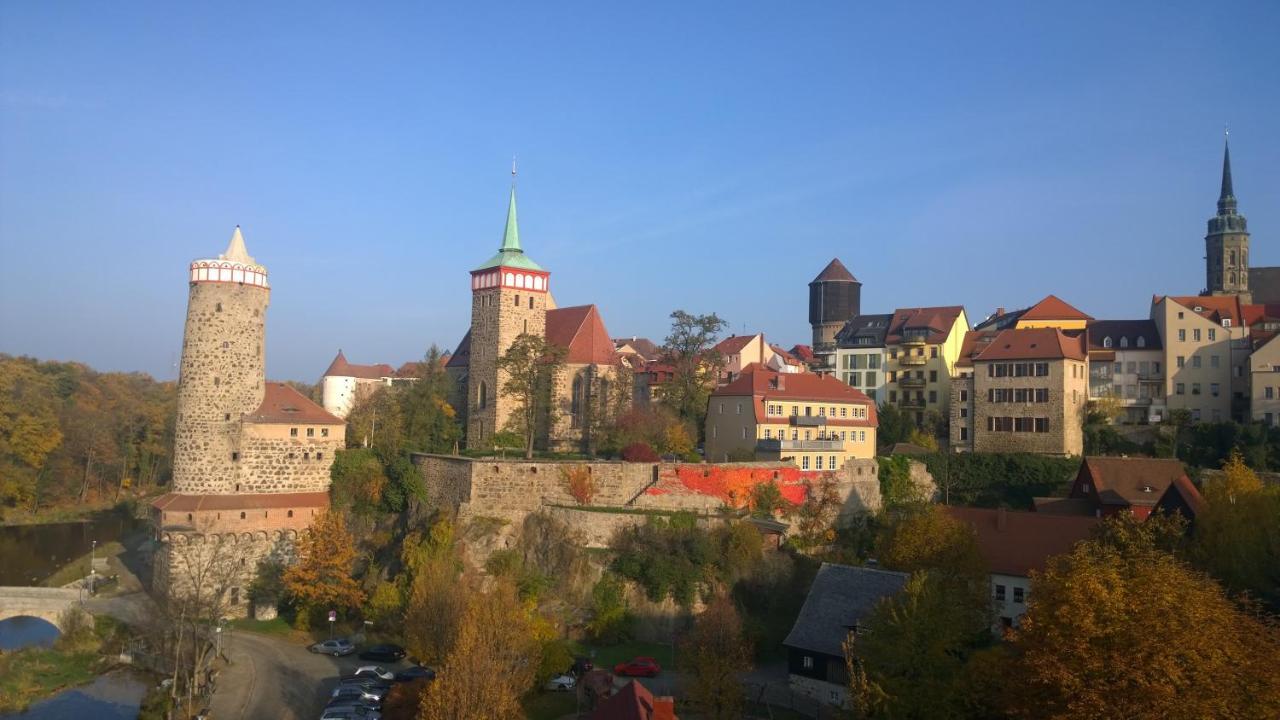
(610, 624)
(579, 482)
(639, 452)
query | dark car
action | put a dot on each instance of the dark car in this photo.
(417, 672)
(638, 667)
(368, 683)
(351, 694)
(387, 652)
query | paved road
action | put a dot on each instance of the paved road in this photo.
(269, 677)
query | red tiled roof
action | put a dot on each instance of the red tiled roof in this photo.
(1015, 543)
(786, 356)
(937, 320)
(1128, 481)
(644, 347)
(341, 368)
(764, 385)
(1214, 308)
(975, 341)
(582, 332)
(175, 502)
(1034, 344)
(282, 404)
(1254, 314)
(734, 344)
(1053, 308)
(634, 702)
(804, 352)
(835, 271)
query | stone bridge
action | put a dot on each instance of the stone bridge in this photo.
(44, 603)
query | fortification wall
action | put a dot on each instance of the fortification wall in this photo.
(270, 461)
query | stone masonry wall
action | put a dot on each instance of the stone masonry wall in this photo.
(224, 563)
(1067, 395)
(285, 464)
(498, 317)
(221, 378)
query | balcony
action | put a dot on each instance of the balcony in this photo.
(913, 360)
(774, 446)
(912, 403)
(1153, 378)
(913, 341)
(808, 420)
(911, 382)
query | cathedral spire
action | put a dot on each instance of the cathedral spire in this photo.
(511, 236)
(1227, 198)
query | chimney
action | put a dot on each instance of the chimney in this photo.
(999, 312)
(1002, 519)
(664, 708)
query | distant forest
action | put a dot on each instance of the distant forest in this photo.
(70, 435)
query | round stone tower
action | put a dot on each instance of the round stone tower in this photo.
(835, 297)
(223, 365)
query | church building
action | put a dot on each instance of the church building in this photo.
(1226, 258)
(511, 296)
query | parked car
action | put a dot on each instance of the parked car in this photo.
(561, 683)
(335, 647)
(349, 693)
(373, 671)
(638, 667)
(386, 652)
(417, 672)
(349, 712)
(366, 704)
(370, 684)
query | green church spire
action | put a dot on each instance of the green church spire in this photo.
(511, 254)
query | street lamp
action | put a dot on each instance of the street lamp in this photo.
(93, 548)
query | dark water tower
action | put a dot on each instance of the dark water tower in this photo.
(834, 297)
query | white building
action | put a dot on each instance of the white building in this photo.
(860, 354)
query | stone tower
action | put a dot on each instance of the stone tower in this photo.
(1227, 242)
(835, 296)
(222, 372)
(509, 295)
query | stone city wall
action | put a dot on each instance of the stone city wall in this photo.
(219, 562)
(271, 461)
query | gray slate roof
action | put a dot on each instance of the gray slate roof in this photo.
(871, 327)
(841, 597)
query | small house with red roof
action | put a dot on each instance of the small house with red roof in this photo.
(1137, 486)
(814, 420)
(1013, 544)
(1020, 390)
(635, 702)
(346, 383)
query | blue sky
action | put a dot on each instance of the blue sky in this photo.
(704, 156)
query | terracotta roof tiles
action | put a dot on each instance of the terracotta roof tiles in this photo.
(1053, 307)
(581, 331)
(283, 404)
(1034, 344)
(1015, 543)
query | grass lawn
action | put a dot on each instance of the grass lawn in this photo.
(79, 567)
(278, 626)
(549, 705)
(35, 673)
(606, 656)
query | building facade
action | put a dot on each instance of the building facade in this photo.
(860, 354)
(1206, 355)
(1021, 391)
(251, 458)
(922, 346)
(816, 421)
(1264, 372)
(1126, 367)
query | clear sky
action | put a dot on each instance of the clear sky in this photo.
(696, 155)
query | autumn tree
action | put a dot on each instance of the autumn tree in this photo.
(1137, 633)
(376, 421)
(491, 663)
(816, 517)
(321, 578)
(690, 350)
(717, 655)
(531, 366)
(1237, 532)
(436, 593)
(430, 423)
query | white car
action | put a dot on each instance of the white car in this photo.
(561, 683)
(374, 671)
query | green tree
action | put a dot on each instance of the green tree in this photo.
(430, 422)
(376, 421)
(1237, 532)
(895, 425)
(531, 366)
(690, 349)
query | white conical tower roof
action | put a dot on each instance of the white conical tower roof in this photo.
(236, 251)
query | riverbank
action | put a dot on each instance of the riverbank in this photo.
(34, 673)
(130, 507)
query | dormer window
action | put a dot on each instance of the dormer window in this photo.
(1124, 342)
(1226, 322)
(1106, 341)
(1142, 341)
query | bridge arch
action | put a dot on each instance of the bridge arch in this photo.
(47, 604)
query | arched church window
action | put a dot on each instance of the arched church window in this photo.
(482, 395)
(1233, 278)
(604, 392)
(575, 402)
(1232, 261)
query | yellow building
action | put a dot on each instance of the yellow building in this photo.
(1206, 347)
(921, 349)
(1052, 312)
(816, 421)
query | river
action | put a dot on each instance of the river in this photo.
(31, 553)
(114, 696)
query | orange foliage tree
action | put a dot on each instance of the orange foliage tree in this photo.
(579, 482)
(321, 578)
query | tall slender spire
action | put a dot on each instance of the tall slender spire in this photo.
(1227, 198)
(511, 236)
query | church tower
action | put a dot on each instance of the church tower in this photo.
(1227, 243)
(509, 295)
(223, 363)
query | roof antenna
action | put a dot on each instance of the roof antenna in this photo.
(513, 169)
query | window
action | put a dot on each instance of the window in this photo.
(933, 376)
(804, 463)
(964, 412)
(1213, 361)
(1180, 389)
(1213, 334)
(1000, 593)
(1213, 389)
(1181, 361)
(1182, 336)
(818, 463)
(1142, 341)
(324, 432)
(311, 432)
(226, 416)
(933, 351)
(767, 433)
(293, 432)
(530, 302)
(1124, 342)
(241, 514)
(807, 662)
(1268, 393)
(1018, 596)
(739, 410)
(1195, 388)
(290, 513)
(218, 307)
(1106, 342)
(744, 433)
(964, 433)
(933, 396)
(1195, 335)
(1195, 361)
(1226, 322)
(235, 456)
(517, 301)
(319, 456)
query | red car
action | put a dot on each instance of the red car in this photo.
(638, 667)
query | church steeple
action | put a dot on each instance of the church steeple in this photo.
(511, 236)
(1227, 198)
(1227, 241)
(510, 254)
